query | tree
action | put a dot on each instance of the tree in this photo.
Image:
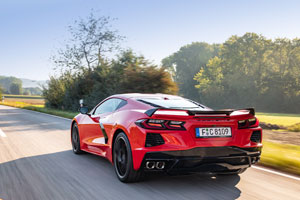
(253, 71)
(139, 75)
(127, 73)
(5, 82)
(91, 39)
(54, 93)
(186, 62)
(15, 88)
(1, 90)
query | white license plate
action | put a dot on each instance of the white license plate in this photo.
(213, 132)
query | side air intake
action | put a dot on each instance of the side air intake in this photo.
(154, 139)
(256, 136)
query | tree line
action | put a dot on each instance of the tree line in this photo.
(245, 71)
(13, 85)
(10, 85)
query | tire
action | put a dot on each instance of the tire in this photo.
(122, 158)
(75, 140)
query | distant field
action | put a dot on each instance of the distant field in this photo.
(22, 96)
(279, 119)
(32, 100)
(26, 100)
(40, 108)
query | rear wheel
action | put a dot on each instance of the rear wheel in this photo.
(75, 140)
(123, 160)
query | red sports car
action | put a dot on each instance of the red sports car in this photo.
(141, 133)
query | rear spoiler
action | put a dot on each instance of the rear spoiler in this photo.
(226, 112)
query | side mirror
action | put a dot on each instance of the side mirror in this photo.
(83, 110)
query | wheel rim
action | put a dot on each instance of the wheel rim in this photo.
(75, 139)
(121, 157)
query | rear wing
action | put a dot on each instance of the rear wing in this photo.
(225, 112)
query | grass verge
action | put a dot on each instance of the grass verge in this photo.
(279, 119)
(40, 108)
(294, 128)
(285, 157)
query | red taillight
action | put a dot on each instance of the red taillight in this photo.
(248, 123)
(160, 124)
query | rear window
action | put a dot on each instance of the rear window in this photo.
(172, 103)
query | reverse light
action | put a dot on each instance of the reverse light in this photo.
(175, 125)
(247, 123)
(157, 123)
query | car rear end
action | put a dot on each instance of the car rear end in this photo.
(183, 141)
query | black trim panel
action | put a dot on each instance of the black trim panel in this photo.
(206, 159)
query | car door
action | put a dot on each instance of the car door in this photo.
(102, 123)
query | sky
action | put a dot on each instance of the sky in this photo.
(32, 31)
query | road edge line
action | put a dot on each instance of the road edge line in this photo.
(2, 134)
(276, 172)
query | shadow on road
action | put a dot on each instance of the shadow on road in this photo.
(64, 175)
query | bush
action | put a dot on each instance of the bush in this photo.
(128, 73)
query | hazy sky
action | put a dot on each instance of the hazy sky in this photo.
(31, 31)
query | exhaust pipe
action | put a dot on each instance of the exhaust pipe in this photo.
(160, 165)
(150, 164)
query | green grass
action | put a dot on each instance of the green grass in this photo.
(279, 119)
(285, 157)
(294, 128)
(41, 108)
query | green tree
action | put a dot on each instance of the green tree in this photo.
(253, 71)
(1, 91)
(186, 62)
(5, 82)
(15, 88)
(127, 73)
(54, 93)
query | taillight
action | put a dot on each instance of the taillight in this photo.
(175, 125)
(248, 123)
(160, 124)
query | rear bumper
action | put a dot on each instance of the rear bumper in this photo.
(204, 159)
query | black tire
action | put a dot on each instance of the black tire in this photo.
(75, 140)
(123, 160)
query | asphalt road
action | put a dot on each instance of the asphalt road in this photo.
(36, 163)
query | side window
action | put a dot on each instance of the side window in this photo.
(121, 104)
(108, 106)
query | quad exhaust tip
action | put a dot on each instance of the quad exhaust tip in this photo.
(158, 165)
(150, 165)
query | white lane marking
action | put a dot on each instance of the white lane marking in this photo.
(276, 172)
(2, 133)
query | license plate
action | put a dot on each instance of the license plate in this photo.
(213, 132)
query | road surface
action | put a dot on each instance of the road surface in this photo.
(36, 163)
